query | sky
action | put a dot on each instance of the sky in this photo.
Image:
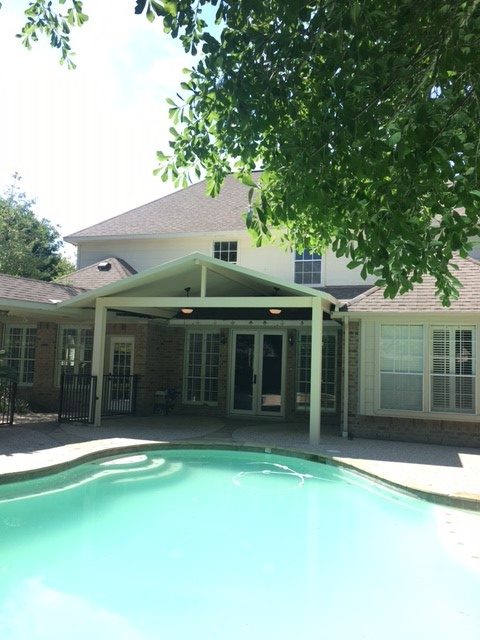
(84, 141)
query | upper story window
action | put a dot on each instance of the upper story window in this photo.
(308, 267)
(226, 251)
(20, 352)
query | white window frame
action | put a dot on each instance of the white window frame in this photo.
(304, 258)
(304, 380)
(22, 369)
(450, 376)
(203, 367)
(228, 250)
(370, 369)
(79, 361)
(398, 367)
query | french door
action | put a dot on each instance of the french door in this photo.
(121, 370)
(258, 373)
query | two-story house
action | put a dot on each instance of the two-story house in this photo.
(176, 294)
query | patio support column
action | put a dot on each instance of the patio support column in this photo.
(316, 371)
(345, 376)
(203, 281)
(98, 356)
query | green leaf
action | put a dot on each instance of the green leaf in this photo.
(395, 138)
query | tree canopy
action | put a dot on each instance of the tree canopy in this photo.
(29, 247)
(363, 116)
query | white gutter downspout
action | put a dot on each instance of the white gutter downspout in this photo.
(345, 376)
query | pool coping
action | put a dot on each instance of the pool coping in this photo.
(103, 449)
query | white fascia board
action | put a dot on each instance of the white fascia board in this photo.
(154, 236)
(133, 302)
(405, 315)
(24, 305)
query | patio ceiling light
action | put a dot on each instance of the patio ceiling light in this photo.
(187, 310)
(274, 311)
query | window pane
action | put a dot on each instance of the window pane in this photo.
(20, 352)
(201, 371)
(401, 367)
(226, 251)
(401, 391)
(307, 267)
(329, 372)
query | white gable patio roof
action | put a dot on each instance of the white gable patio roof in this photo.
(160, 291)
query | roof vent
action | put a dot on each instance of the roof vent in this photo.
(104, 266)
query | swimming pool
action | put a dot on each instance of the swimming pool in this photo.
(218, 544)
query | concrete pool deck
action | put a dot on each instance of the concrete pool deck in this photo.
(444, 474)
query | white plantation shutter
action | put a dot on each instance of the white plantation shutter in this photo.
(453, 369)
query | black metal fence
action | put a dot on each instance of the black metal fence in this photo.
(8, 393)
(77, 398)
(78, 393)
(119, 396)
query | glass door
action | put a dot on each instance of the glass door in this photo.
(121, 370)
(258, 373)
(271, 374)
(244, 372)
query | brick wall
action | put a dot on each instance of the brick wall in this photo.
(353, 376)
(44, 392)
(448, 432)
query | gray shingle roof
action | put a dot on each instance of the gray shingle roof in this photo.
(27, 289)
(422, 298)
(99, 274)
(344, 293)
(187, 211)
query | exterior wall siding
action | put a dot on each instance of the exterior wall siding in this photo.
(270, 259)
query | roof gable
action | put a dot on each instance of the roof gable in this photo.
(99, 274)
(222, 280)
(189, 210)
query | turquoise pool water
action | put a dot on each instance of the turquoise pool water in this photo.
(184, 544)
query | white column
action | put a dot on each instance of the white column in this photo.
(346, 366)
(98, 356)
(203, 281)
(316, 372)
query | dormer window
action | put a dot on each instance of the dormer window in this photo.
(308, 268)
(226, 251)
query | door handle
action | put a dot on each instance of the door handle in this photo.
(254, 378)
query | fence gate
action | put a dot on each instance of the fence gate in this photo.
(78, 394)
(8, 393)
(77, 398)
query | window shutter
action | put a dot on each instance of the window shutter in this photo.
(453, 369)
(440, 369)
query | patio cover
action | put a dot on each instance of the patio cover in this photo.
(160, 292)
